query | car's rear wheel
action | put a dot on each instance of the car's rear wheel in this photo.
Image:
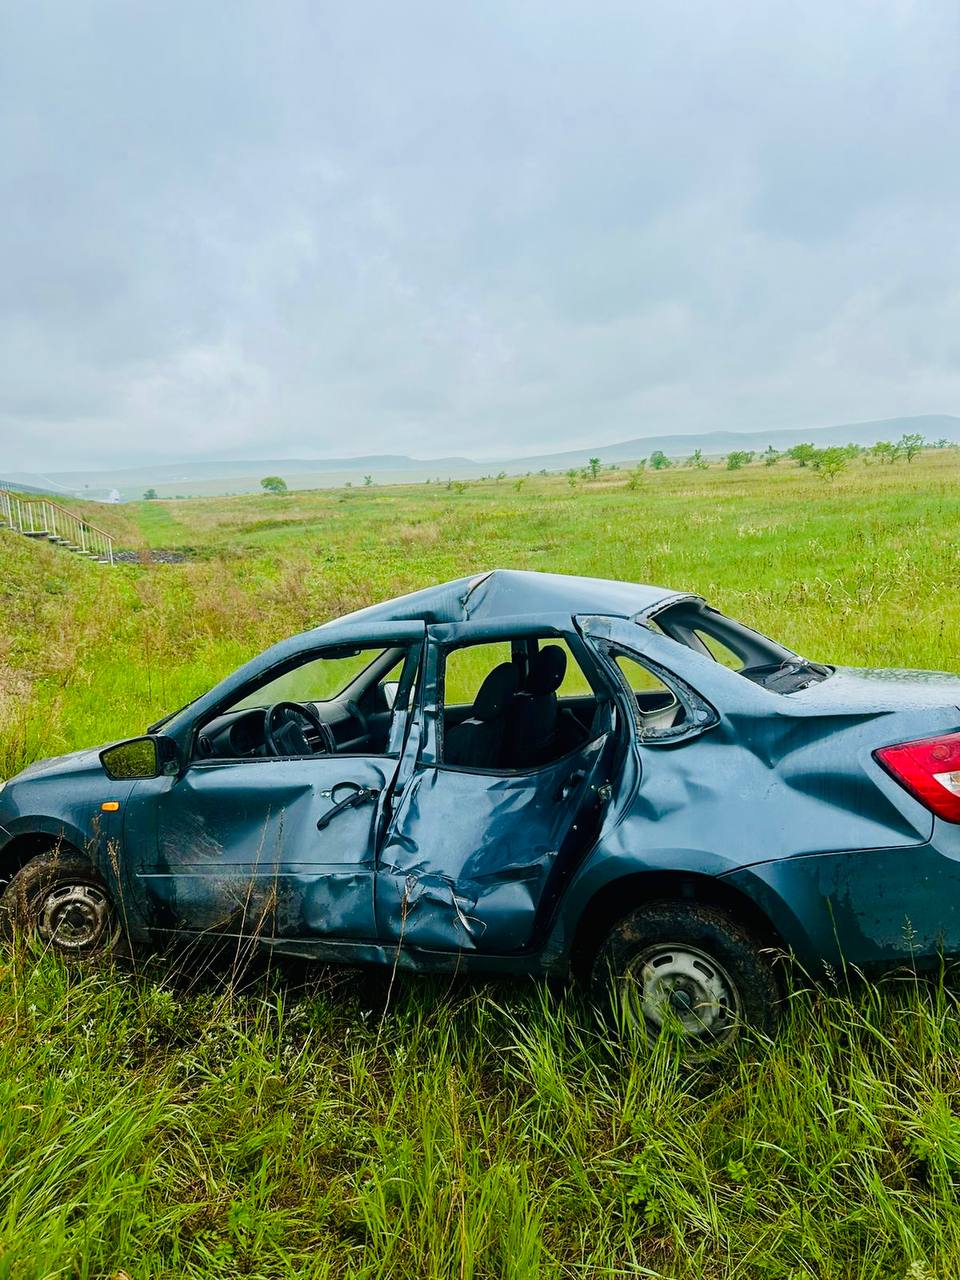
(60, 900)
(688, 968)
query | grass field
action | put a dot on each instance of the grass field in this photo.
(150, 1128)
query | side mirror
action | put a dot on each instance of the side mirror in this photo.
(152, 756)
(390, 688)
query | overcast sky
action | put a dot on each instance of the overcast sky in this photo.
(305, 229)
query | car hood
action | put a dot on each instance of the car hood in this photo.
(86, 761)
(858, 689)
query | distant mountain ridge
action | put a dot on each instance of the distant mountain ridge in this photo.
(212, 476)
(719, 443)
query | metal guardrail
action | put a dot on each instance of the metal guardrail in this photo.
(41, 518)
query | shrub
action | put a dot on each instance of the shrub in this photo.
(830, 462)
(739, 458)
(802, 454)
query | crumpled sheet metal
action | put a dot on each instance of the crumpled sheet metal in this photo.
(469, 855)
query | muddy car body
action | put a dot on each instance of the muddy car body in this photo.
(523, 773)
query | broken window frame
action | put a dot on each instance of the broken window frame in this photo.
(697, 712)
(609, 635)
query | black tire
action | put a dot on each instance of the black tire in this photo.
(688, 967)
(60, 900)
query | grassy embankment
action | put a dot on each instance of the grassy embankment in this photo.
(485, 1131)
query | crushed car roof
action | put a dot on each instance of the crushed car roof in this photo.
(512, 593)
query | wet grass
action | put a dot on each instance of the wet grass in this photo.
(156, 1129)
(478, 1131)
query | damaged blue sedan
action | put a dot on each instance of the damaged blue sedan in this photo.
(520, 773)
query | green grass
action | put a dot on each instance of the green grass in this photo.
(477, 1130)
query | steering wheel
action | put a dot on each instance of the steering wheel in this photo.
(284, 736)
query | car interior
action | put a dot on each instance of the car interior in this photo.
(516, 721)
(508, 706)
(534, 704)
(345, 702)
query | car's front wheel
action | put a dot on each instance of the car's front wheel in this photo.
(688, 967)
(59, 899)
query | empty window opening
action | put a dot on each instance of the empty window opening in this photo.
(658, 707)
(515, 705)
(345, 701)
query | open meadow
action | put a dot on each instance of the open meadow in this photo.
(287, 1124)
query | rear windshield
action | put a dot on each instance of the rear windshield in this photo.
(752, 655)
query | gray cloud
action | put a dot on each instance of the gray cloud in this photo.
(252, 229)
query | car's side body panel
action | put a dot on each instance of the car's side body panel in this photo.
(232, 847)
(776, 781)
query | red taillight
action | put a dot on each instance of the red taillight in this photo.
(930, 769)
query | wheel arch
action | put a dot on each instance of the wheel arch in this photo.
(618, 897)
(26, 845)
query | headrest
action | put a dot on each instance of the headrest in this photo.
(547, 671)
(495, 692)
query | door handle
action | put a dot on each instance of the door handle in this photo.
(360, 795)
(567, 789)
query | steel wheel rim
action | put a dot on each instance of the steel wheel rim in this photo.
(672, 984)
(75, 917)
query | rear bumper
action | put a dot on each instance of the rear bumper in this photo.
(874, 909)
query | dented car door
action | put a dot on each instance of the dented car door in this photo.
(238, 849)
(472, 856)
(272, 847)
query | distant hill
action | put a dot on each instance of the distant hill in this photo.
(20, 487)
(720, 443)
(207, 476)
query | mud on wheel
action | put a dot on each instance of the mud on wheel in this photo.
(690, 968)
(59, 899)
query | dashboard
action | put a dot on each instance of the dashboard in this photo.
(239, 734)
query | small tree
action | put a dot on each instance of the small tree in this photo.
(885, 451)
(830, 462)
(573, 475)
(770, 456)
(519, 483)
(739, 458)
(802, 454)
(368, 481)
(659, 460)
(910, 444)
(273, 484)
(697, 460)
(594, 465)
(150, 495)
(635, 480)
